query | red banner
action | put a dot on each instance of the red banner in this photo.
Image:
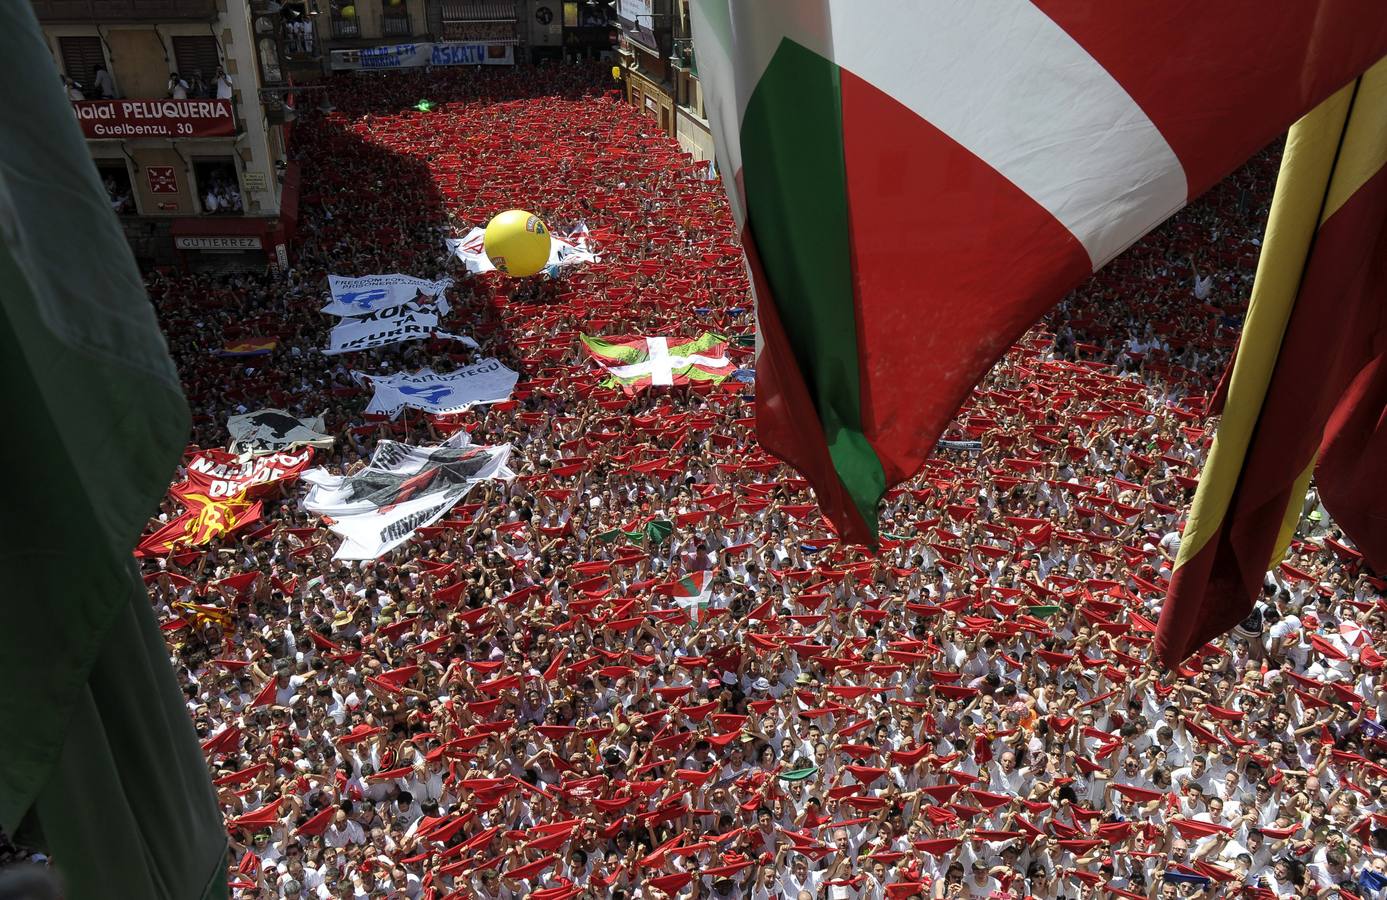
(219, 474)
(107, 119)
(203, 520)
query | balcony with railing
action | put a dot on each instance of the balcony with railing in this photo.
(683, 55)
(394, 21)
(345, 24)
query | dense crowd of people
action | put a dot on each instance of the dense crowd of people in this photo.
(510, 706)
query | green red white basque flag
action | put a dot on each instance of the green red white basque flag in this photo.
(917, 181)
(692, 592)
(636, 363)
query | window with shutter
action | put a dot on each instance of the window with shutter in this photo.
(479, 21)
(196, 53)
(478, 10)
(81, 56)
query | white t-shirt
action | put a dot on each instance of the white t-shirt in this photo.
(984, 888)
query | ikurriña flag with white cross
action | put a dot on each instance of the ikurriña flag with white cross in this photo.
(636, 363)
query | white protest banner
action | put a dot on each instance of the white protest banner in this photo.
(470, 249)
(423, 53)
(404, 488)
(372, 293)
(370, 535)
(460, 338)
(563, 253)
(430, 307)
(363, 334)
(399, 471)
(486, 382)
(273, 430)
(388, 56)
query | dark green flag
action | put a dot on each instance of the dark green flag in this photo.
(654, 531)
(99, 763)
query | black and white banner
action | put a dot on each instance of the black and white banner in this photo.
(486, 382)
(388, 322)
(373, 293)
(404, 488)
(471, 249)
(273, 430)
(365, 332)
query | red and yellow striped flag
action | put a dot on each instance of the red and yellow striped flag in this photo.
(1308, 380)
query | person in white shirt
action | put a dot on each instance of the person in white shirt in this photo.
(1005, 776)
(1260, 852)
(178, 88)
(1328, 868)
(487, 886)
(1170, 545)
(343, 831)
(224, 84)
(800, 879)
(1280, 632)
(1203, 286)
(770, 886)
(105, 84)
(980, 883)
(428, 784)
(1196, 773)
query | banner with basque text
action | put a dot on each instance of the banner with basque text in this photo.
(363, 334)
(486, 382)
(357, 296)
(421, 54)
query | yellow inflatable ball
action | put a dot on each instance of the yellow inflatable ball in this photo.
(348, 12)
(517, 243)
